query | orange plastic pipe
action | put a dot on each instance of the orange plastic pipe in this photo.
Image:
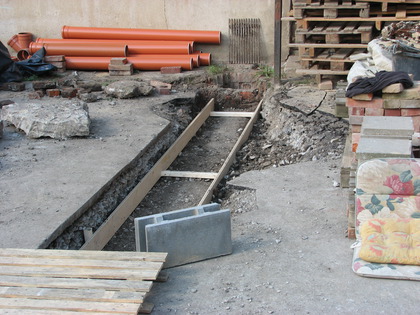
(121, 41)
(208, 37)
(205, 58)
(14, 43)
(74, 49)
(196, 58)
(139, 63)
(24, 39)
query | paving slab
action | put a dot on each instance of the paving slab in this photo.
(45, 183)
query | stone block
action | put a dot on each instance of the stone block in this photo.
(341, 111)
(68, 92)
(36, 95)
(356, 120)
(374, 112)
(187, 235)
(393, 88)
(57, 58)
(357, 111)
(356, 128)
(392, 112)
(373, 148)
(118, 61)
(170, 70)
(340, 100)
(43, 85)
(325, 85)
(406, 94)
(120, 72)
(374, 103)
(400, 103)
(416, 123)
(15, 86)
(388, 126)
(121, 67)
(53, 92)
(363, 97)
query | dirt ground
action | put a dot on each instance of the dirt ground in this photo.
(290, 254)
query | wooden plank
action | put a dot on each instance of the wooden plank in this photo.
(316, 45)
(68, 283)
(320, 72)
(186, 174)
(21, 311)
(83, 273)
(231, 157)
(79, 263)
(75, 254)
(95, 295)
(80, 306)
(360, 19)
(122, 212)
(231, 114)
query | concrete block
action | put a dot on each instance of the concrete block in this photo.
(372, 148)
(388, 126)
(187, 235)
(121, 67)
(120, 72)
(341, 111)
(397, 103)
(374, 103)
(42, 85)
(363, 97)
(355, 120)
(392, 112)
(374, 112)
(416, 123)
(356, 128)
(118, 61)
(340, 100)
(170, 70)
(407, 94)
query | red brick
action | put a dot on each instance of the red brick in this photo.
(410, 112)
(118, 61)
(56, 58)
(374, 112)
(416, 123)
(356, 128)
(351, 233)
(247, 95)
(393, 112)
(163, 90)
(355, 138)
(35, 95)
(169, 70)
(374, 103)
(357, 111)
(53, 92)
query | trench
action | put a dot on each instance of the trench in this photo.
(205, 153)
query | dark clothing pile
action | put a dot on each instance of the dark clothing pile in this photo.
(381, 80)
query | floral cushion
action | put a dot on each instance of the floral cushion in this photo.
(391, 240)
(386, 188)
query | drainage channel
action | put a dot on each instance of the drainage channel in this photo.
(164, 186)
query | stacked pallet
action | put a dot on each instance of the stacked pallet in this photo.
(329, 33)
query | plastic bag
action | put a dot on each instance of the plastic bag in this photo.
(36, 64)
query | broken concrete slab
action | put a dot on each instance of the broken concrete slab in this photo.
(305, 99)
(57, 119)
(128, 89)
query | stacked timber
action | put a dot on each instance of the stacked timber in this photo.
(330, 33)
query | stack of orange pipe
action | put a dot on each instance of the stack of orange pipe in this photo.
(91, 48)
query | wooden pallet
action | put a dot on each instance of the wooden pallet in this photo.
(332, 59)
(330, 9)
(42, 281)
(333, 32)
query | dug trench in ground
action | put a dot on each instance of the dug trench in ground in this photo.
(284, 135)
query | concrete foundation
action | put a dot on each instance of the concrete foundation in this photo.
(187, 235)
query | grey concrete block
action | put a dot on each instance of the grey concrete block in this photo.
(373, 148)
(399, 127)
(187, 235)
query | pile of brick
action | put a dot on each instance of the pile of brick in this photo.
(395, 101)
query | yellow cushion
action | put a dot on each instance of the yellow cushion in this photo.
(390, 240)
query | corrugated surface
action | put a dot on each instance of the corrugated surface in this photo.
(244, 46)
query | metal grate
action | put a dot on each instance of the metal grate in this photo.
(244, 45)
